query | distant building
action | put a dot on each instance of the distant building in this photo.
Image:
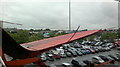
(66, 31)
(59, 32)
(34, 32)
(111, 30)
(46, 35)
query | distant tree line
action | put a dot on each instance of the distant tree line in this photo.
(109, 36)
(24, 36)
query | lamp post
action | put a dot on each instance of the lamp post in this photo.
(69, 15)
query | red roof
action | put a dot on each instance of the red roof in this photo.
(55, 41)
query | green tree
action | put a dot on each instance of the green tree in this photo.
(109, 36)
(35, 37)
(47, 29)
(31, 29)
(91, 38)
(21, 36)
(52, 34)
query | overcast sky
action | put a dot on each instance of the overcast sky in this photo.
(53, 14)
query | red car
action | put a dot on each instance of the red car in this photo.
(57, 56)
(92, 51)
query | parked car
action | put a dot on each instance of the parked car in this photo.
(88, 51)
(76, 45)
(118, 55)
(118, 48)
(95, 49)
(104, 58)
(110, 45)
(97, 43)
(66, 65)
(107, 48)
(43, 57)
(73, 53)
(92, 51)
(83, 51)
(89, 63)
(68, 54)
(57, 56)
(78, 63)
(100, 49)
(63, 55)
(111, 59)
(50, 57)
(114, 57)
(97, 60)
(52, 65)
(79, 53)
(73, 49)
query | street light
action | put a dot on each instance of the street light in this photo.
(69, 15)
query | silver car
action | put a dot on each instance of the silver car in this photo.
(97, 60)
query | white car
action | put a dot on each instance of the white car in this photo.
(43, 57)
(97, 60)
(66, 65)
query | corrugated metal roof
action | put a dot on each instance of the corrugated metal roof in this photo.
(55, 41)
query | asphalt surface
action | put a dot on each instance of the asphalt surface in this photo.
(84, 57)
(117, 64)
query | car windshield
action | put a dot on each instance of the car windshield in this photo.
(50, 54)
(66, 64)
(42, 56)
(99, 59)
(81, 63)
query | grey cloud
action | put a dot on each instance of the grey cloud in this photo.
(54, 15)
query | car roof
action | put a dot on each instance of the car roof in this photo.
(66, 63)
(96, 57)
(78, 60)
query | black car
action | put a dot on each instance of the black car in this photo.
(83, 51)
(111, 59)
(68, 54)
(118, 48)
(114, 57)
(104, 58)
(66, 47)
(88, 63)
(73, 53)
(79, 53)
(78, 63)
